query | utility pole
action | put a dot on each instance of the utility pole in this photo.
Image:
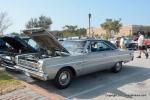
(89, 15)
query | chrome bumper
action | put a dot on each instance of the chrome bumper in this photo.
(39, 75)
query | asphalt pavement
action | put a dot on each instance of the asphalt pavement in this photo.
(132, 83)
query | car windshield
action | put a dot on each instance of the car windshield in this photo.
(33, 44)
(74, 46)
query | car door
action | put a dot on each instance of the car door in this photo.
(110, 54)
(97, 58)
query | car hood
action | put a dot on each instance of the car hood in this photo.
(18, 44)
(45, 39)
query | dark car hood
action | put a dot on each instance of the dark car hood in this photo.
(18, 44)
(45, 39)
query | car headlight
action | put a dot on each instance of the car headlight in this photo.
(40, 63)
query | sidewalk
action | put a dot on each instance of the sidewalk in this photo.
(31, 92)
(23, 94)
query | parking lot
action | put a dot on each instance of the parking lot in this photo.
(133, 82)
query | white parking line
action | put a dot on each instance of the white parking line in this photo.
(84, 92)
(100, 86)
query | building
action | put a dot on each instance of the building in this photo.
(131, 30)
(95, 31)
(128, 30)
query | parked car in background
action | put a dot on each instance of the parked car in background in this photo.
(147, 42)
(71, 59)
(12, 46)
(3, 46)
(113, 41)
(130, 44)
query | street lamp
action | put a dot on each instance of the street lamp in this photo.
(89, 15)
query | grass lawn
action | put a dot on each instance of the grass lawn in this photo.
(8, 84)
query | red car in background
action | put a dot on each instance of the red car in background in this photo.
(147, 42)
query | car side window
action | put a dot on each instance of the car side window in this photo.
(97, 46)
(103, 47)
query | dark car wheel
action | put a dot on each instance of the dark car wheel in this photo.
(63, 78)
(117, 68)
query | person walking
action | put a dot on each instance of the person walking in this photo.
(141, 46)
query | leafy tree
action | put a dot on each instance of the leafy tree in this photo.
(110, 25)
(4, 22)
(57, 33)
(81, 32)
(73, 30)
(69, 30)
(42, 21)
(14, 33)
(105, 36)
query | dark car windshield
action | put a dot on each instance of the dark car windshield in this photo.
(74, 46)
(33, 44)
(15, 44)
(3, 46)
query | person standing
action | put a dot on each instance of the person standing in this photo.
(141, 46)
(122, 45)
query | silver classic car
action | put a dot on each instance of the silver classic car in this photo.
(72, 58)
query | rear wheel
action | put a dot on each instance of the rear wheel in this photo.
(63, 78)
(117, 68)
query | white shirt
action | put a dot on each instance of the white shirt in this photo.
(122, 41)
(141, 40)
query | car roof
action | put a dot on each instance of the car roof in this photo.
(106, 41)
(85, 40)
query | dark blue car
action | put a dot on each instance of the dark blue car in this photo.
(10, 46)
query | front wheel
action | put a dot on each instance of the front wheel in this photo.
(117, 68)
(63, 78)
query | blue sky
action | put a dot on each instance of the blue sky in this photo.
(75, 12)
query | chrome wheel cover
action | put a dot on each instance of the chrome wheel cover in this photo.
(64, 78)
(118, 66)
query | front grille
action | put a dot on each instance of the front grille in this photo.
(8, 61)
(5, 64)
(28, 64)
(4, 60)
